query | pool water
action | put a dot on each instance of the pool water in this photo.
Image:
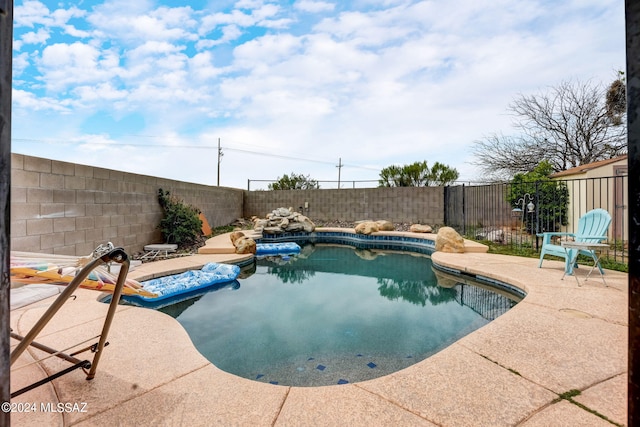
(332, 315)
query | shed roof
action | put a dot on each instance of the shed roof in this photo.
(589, 166)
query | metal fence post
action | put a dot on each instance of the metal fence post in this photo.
(537, 213)
(632, 19)
(464, 217)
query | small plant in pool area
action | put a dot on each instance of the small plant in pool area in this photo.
(215, 231)
(181, 224)
(569, 397)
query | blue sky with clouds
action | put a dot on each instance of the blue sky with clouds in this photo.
(291, 86)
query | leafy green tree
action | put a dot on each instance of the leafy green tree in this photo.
(417, 174)
(391, 176)
(551, 198)
(294, 182)
(181, 223)
(442, 175)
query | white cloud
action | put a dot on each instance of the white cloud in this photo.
(259, 14)
(76, 55)
(266, 50)
(202, 68)
(32, 13)
(249, 4)
(264, 12)
(74, 32)
(38, 37)
(313, 6)
(64, 65)
(235, 18)
(103, 92)
(229, 34)
(276, 23)
(20, 63)
(27, 101)
(141, 23)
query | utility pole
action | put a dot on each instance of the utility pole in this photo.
(220, 154)
(6, 45)
(339, 170)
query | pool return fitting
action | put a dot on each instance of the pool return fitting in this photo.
(102, 254)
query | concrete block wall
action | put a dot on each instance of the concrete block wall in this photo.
(405, 204)
(70, 209)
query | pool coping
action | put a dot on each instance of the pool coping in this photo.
(221, 244)
(559, 338)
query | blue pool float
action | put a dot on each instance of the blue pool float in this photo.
(284, 248)
(169, 287)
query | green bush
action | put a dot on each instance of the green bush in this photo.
(181, 224)
(294, 182)
(551, 199)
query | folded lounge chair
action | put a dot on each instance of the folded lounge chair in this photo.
(158, 251)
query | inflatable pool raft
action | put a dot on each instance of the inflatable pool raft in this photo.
(284, 248)
(170, 287)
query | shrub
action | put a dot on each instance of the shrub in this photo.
(294, 182)
(551, 199)
(181, 224)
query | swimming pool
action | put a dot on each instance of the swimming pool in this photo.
(333, 315)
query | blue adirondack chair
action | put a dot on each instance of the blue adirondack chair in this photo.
(592, 228)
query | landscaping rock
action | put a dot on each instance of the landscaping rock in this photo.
(384, 225)
(283, 220)
(448, 240)
(367, 227)
(235, 236)
(419, 228)
(260, 224)
(245, 245)
(272, 230)
(492, 234)
(308, 225)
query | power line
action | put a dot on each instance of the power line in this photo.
(201, 147)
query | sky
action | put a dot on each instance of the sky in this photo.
(298, 86)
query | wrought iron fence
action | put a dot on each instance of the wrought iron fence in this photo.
(514, 214)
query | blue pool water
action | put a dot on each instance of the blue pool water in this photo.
(333, 315)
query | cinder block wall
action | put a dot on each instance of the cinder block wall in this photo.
(70, 209)
(406, 204)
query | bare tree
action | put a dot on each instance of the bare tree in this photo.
(570, 125)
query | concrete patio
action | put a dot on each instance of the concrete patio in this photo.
(511, 372)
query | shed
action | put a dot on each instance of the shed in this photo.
(602, 184)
